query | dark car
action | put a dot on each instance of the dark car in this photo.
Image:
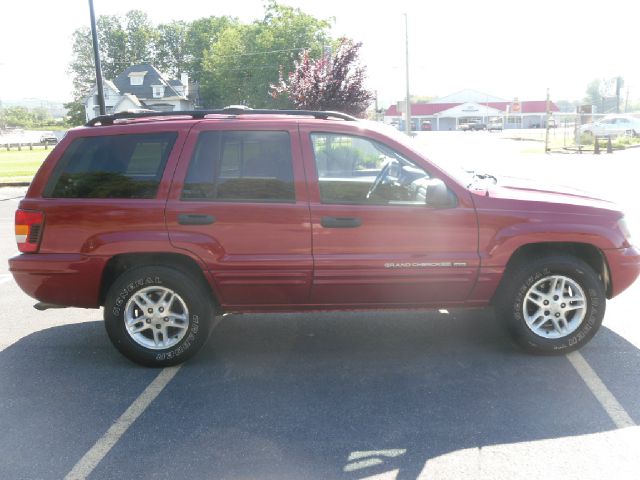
(169, 219)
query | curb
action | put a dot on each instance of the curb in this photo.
(14, 184)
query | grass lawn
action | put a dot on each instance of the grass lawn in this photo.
(20, 166)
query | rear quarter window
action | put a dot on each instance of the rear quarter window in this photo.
(112, 166)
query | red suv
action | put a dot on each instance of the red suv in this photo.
(168, 219)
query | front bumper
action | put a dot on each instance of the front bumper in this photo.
(624, 268)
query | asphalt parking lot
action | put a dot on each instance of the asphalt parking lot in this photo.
(354, 395)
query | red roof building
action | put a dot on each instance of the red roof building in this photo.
(467, 106)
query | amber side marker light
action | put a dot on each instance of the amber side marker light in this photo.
(28, 230)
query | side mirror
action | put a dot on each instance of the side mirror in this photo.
(438, 195)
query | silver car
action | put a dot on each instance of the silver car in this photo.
(613, 126)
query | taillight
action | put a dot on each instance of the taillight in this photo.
(28, 230)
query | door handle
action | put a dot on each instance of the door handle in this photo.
(195, 219)
(340, 222)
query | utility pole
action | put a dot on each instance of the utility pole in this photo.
(626, 101)
(407, 126)
(96, 56)
(546, 136)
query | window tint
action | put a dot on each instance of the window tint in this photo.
(241, 166)
(356, 170)
(113, 166)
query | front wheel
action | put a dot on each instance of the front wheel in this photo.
(552, 305)
(157, 316)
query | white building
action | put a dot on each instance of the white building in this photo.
(448, 112)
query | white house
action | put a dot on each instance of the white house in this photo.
(141, 86)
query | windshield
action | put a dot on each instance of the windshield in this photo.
(454, 169)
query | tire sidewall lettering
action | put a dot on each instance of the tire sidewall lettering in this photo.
(595, 308)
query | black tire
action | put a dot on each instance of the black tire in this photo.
(527, 280)
(183, 340)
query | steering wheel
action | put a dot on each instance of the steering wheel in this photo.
(381, 176)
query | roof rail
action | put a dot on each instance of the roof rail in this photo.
(200, 114)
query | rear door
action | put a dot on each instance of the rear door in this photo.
(375, 239)
(239, 203)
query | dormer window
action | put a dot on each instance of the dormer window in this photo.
(137, 78)
(158, 91)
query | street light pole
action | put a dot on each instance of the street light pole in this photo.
(407, 109)
(546, 135)
(96, 56)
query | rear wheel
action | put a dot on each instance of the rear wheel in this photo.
(552, 305)
(157, 316)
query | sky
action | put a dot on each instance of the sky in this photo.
(508, 49)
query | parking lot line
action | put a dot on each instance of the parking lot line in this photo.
(93, 457)
(5, 277)
(616, 412)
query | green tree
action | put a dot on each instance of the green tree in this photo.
(112, 38)
(171, 48)
(141, 39)
(123, 41)
(201, 35)
(75, 114)
(593, 96)
(247, 59)
(81, 67)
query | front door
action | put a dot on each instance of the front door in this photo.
(376, 239)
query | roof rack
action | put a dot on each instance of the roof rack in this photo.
(200, 114)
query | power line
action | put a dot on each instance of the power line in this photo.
(122, 62)
(262, 53)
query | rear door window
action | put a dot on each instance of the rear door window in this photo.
(245, 166)
(112, 166)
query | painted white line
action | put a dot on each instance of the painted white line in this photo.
(93, 457)
(5, 277)
(616, 412)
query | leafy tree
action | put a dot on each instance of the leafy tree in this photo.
(75, 113)
(593, 96)
(604, 104)
(234, 62)
(141, 38)
(567, 106)
(23, 117)
(123, 41)
(246, 59)
(335, 83)
(171, 48)
(200, 36)
(81, 67)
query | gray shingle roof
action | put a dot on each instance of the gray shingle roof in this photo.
(152, 77)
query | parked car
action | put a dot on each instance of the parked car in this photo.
(472, 126)
(612, 126)
(495, 125)
(426, 126)
(48, 138)
(168, 219)
(552, 124)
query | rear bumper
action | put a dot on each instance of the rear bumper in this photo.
(624, 268)
(62, 279)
